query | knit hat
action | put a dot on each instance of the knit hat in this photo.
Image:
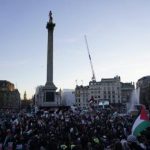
(131, 138)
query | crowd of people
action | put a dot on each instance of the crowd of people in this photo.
(101, 129)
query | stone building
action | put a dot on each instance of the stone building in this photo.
(82, 96)
(108, 89)
(144, 85)
(9, 96)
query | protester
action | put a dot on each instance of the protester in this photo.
(69, 130)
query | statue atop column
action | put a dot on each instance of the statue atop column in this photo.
(50, 17)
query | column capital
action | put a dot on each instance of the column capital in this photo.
(50, 26)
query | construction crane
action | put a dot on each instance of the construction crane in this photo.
(93, 74)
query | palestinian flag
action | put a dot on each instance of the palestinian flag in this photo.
(141, 123)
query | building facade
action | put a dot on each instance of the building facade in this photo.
(9, 96)
(108, 89)
(144, 85)
(82, 96)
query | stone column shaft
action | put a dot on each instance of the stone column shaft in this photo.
(50, 57)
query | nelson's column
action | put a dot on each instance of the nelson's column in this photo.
(49, 88)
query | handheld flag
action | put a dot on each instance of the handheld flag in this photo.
(141, 123)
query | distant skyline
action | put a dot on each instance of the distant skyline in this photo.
(118, 34)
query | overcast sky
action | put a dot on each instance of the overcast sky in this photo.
(118, 34)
